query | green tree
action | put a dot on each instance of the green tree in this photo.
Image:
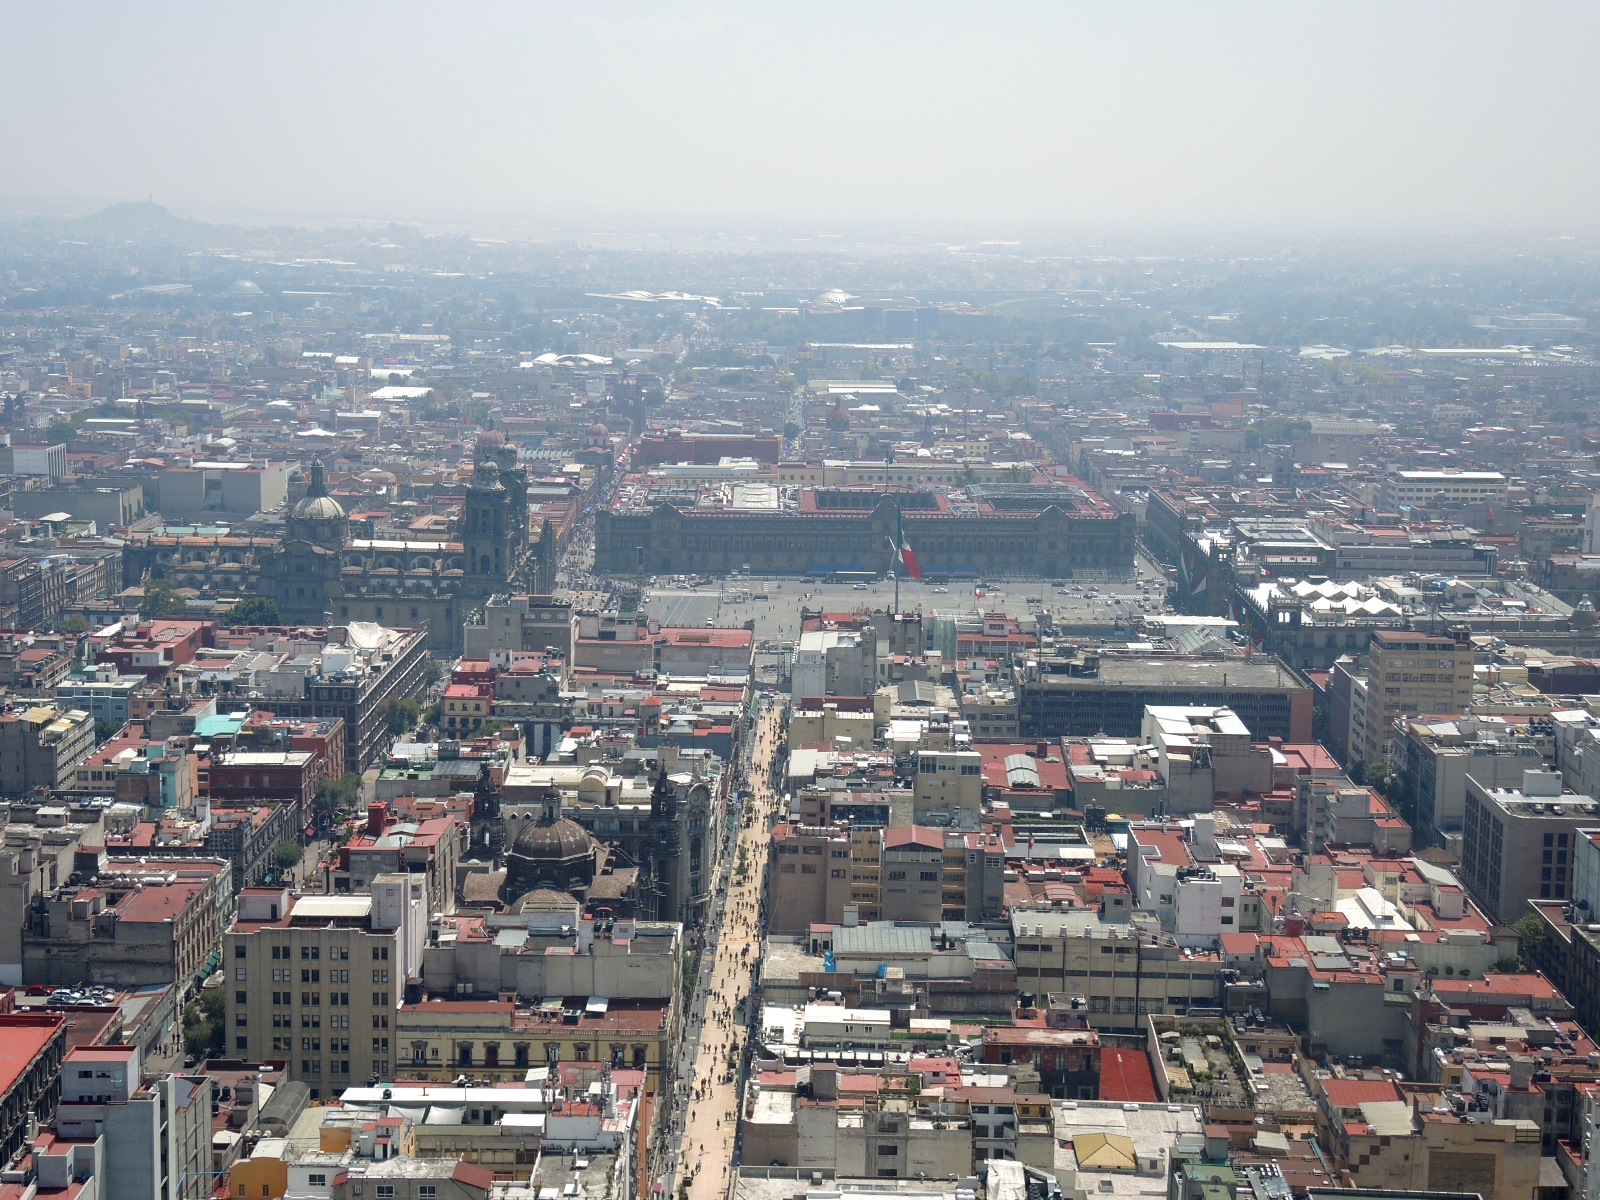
(338, 795)
(161, 600)
(400, 714)
(1274, 431)
(105, 730)
(74, 623)
(204, 1024)
(1383, 777)
(256, 610)
(286, 855)
(1532, 935)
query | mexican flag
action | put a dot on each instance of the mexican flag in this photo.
(903, 550)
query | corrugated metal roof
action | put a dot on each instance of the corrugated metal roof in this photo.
(882, 940)
(1022, 771)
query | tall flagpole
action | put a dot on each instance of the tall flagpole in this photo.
(894, 556)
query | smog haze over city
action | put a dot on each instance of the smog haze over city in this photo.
(830, 117)
(816, 602)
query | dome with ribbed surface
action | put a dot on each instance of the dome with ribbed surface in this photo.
(556, 841)
(318, 505)
(553, 852)
(318, 508)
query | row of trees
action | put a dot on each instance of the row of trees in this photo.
(161, 600)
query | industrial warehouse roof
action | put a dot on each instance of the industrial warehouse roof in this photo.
(882, 938)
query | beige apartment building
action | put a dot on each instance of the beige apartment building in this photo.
(1410, 672)
(501, 1040)
(1123, 970)
(41, 747)
(808, 875)
(1396, 1146)
(317, 980)
(866, 873)
(913, 874)
(948, 781)
(909, 873)
(1521, 844)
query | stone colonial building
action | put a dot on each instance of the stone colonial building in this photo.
(1025, 529)
(318, 571)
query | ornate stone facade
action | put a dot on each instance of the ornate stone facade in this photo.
(318, 572)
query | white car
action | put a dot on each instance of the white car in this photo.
(941, 591)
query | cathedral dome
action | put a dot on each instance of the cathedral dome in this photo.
(553, 841)
(318, 505)
(319, 508)
(554, 853)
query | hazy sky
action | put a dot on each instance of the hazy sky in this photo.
(1115, 114)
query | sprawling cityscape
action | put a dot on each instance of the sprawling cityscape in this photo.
(745, 709)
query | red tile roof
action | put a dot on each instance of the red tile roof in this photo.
(919, 835)
(1353, 1093)
(23, 1037)
(1126, 1075)
(473, 1175)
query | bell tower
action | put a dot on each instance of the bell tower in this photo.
(304, 577)
(486, 530)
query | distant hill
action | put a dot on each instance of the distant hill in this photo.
(137, 219)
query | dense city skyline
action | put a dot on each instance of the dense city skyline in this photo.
(878, 602)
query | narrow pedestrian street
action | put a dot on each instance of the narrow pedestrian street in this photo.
(704, 1110)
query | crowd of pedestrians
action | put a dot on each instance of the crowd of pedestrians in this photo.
(704, 1116)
